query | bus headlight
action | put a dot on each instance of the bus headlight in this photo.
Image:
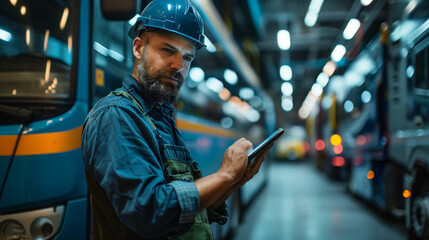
(12, 230)
(42, 228)
(40, 224)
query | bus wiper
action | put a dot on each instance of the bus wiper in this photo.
(23, 115)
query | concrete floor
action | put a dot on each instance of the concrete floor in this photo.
(302, 203)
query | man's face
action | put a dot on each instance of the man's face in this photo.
(164, 64)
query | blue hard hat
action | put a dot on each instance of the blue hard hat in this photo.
(177, 16)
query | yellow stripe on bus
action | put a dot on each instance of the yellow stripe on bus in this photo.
(42, 143)
(198, 128)
(57, 142)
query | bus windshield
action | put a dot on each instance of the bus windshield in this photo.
(36, 39)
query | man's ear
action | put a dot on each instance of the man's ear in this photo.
(138, 47)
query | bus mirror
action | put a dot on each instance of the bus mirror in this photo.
(119, 10)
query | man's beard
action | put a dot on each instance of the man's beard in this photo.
(160, 92)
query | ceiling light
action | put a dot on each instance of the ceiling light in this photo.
(286, 72)
(287, 104)
(133, 20)
(214, 84)
(316, 89)
(365, 2)
(351, 29)
(313, 12)
(322, 79)
(329, 68)
(5, 35)
(196, 74)
(365, 96)
(283, 39)
(246, 93)
(287, 89)
(230, 76)
(338, 53)
(209, 45)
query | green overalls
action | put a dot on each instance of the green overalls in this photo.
(178, 164)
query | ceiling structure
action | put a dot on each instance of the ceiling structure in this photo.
(254, 25)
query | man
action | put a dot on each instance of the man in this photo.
(142, 179)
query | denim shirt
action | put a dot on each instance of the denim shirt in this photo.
(120, 151)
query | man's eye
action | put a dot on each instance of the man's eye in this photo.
(169, 51)
(189, 59)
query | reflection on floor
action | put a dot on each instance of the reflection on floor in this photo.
(301, 203)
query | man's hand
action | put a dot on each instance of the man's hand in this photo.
(235, 159)
(253, 168)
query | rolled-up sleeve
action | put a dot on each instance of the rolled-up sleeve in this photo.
(121, 151)
(186, 192)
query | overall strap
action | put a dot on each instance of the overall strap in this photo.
(133, 99)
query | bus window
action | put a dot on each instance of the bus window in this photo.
(36, 54)
(421, 70)
(112, 53)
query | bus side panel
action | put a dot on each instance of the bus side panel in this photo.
(42, 172)
(44, 180)
(74, 225)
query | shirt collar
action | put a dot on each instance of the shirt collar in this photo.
(143, 97)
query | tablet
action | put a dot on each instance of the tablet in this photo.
(261, 147)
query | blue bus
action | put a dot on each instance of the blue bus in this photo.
(57, 58)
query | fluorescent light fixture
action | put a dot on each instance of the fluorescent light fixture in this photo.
(410, 71)
(23, 10)
(351, 29)
(101, 49)
(287, 89)
(196, 74)
(310, 19)
(366, 96)
(27, 37)
(348, 106)
(209, 45)
(283, 39)
(45, 43)
(226, 122)
(316, 89)
(214, 84)
(322, 79)
(338, 53)
(246, 93)
(225, 94)
(365, 2)
(287, 104)
(230, 76)
(286, 72)
(313, 13)
(329, 68)
(133, 20)
(64, 18)
(5, 35)
(252, 115)
(115, 55)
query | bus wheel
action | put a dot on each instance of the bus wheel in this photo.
(419, 214)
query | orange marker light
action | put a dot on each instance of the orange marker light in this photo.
(406, 193)
(370, 174)
(335, 139)
(338, 149)
(320, 145)
(338, 162)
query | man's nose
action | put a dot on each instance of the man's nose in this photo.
(177, 63)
